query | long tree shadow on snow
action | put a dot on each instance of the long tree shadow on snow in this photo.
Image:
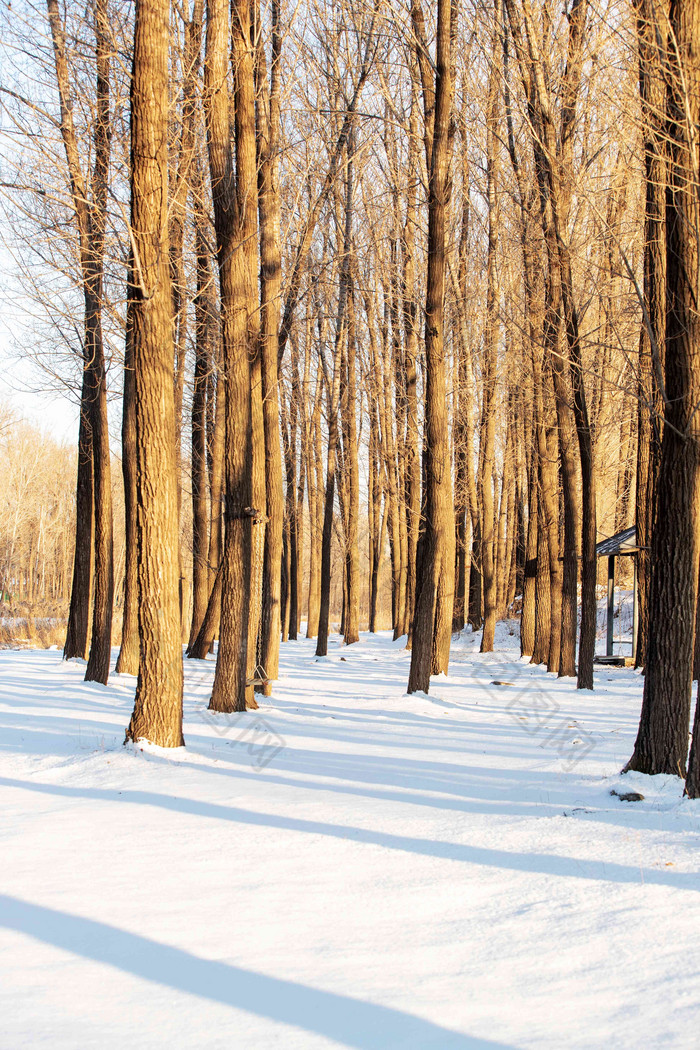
(536, 863)
(351, 1022)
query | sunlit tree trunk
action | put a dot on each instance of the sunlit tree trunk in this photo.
(433, 614)
(157, 712)
(233, 689)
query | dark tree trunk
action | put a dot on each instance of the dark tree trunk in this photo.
(333, 400)
(206, 324)
(662, 740)
(351, 632)
(81, 589)
(651, 41)
(412, 436)
(128, 659)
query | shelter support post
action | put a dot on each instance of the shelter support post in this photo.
(611, 604)
(635, 612)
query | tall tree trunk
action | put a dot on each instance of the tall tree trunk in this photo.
(89, 200)
(433, 616)
(268, 123)
(662, 740)
(237, 260)
(216, 470)
(128, 659)
(76, 644)
(204, 641)
(410, 309)
(652, 32)
(527, 617)
(206, 324)
(289, 432)
(351, 633)
(157, 714)
(490, 366)
(314, 461)
(333, 383)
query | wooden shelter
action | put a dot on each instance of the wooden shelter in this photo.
(622, 545)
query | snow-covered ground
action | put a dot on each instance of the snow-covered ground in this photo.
(347, 867)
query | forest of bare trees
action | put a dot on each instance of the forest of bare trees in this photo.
(377, 315)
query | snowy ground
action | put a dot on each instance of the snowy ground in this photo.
(348, 867)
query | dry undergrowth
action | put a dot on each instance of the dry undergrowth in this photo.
(27, 628)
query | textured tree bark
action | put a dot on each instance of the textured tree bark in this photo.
(507, 518)
(268, 123)
(547, 436)
(128, 659)
(243, 62)
(662, 740)
(465, 497)
(206, 324)
(157, 714)
(216, 469)
(400, 412)
(386, 366)
(490, 365)
(235, 208)
(652, 32)
(377, 520)
(433, 616)
(314, 462)
(564, 573)
(410, 311)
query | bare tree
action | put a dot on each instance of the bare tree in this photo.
(432, 625)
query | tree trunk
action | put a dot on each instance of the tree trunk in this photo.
(351, 633)
(268, 122)
(314, 461)
(490, 366)
(662, 740)
(651, 41)
(433, 616)
(412, 436)
(235, 199)
(157, 715)
(76, 644)
(206, 324)
(333, 383)
(128, 659)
